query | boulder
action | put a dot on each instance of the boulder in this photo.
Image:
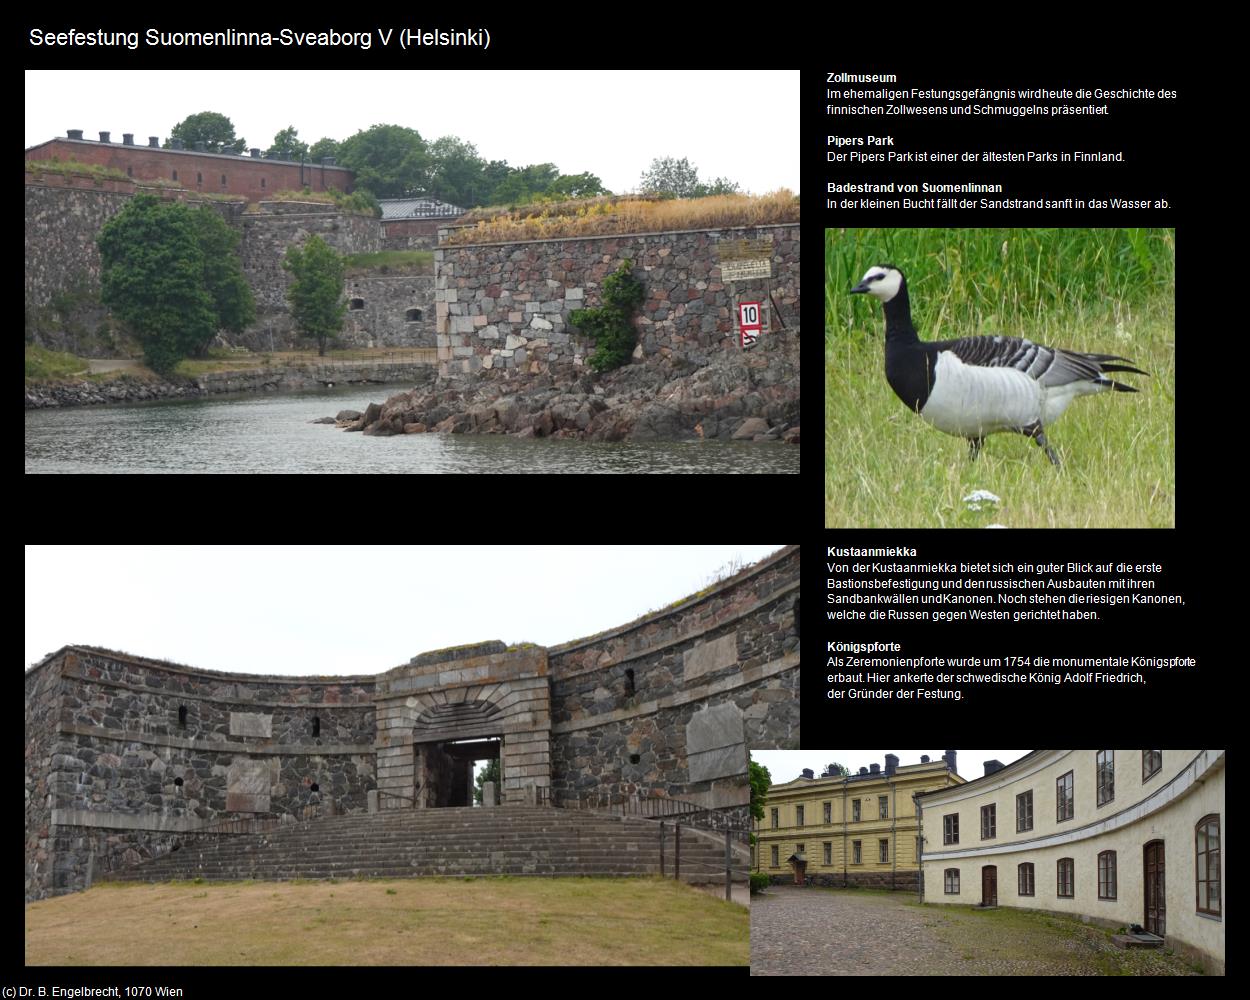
(751, 427)
(347, 415)
(324, 420)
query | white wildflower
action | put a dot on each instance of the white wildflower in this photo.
(978, 497)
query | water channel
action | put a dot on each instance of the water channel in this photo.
(272, 433)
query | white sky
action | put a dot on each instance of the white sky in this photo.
(731, 123)
(786, 765)
(345, 610)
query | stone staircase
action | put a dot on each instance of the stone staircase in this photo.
(509, 840)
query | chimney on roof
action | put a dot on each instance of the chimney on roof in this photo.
(154, 141)
(255, 153)
(74, 133)
(924, 758)
(175, 143)
(104, 137)
(199, 147)
(991, 766)
(876, 768)
(863, 770)
(327, 161)
(128, 138)
(807, 773)
(891, 764)
(949, 757)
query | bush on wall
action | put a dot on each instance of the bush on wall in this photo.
(612, 324)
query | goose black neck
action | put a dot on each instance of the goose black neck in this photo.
(898, 317)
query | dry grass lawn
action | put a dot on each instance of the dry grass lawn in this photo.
(501, 921)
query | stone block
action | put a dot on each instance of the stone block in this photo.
(716, 743)
(489, 333)
(514, 342)
(247, 786)
(251, 724)
(709, 656)
(575, 293)
(538, 323)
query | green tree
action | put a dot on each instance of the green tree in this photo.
(457, 173)
(667, 175)
(489, 773)
(316, 293)
(523, 184)
(761, 780)
(585, 185)
(223, 273)
(287, 146)
(153, 278)
(208, 127)
(389, 160)
(322, 148)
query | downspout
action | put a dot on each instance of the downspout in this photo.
(894, 833)
(845, 873)
(919, 846)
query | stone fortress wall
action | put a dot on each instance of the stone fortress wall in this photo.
(508, 305)
(489, 306)
(64, 215)
(128, 757)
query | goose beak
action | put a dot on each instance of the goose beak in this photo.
(861, 287)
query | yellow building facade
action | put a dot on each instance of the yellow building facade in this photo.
(852, 830)
(1126, 837)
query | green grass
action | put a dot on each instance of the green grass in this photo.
(420, 260)
(42, 363)
(487, 921)
(1105, 291)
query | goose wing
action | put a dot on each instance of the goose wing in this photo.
(1050, 366)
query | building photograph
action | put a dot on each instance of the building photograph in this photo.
(987, 862)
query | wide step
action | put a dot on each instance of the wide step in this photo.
(403, 843)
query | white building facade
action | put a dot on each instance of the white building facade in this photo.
(1126, 837)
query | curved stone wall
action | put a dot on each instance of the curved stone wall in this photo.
(128, 757)
(1101, 840)
(667, 705)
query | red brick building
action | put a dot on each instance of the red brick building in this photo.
(248, 176)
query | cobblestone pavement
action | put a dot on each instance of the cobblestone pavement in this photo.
(804, 932)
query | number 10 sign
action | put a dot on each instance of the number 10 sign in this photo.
(749, 322)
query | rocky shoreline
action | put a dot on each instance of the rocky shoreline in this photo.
(741, 396)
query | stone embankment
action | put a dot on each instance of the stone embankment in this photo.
(133, 388)
(752, 396)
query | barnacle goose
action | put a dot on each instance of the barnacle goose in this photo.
(976, 386)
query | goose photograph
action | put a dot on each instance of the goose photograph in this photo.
(955, 360)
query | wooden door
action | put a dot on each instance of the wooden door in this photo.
(1156, 894)
(989, 885)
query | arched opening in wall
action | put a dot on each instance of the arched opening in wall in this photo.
(413, 315)
(182, 716)
(629, 681)
(446, 773)
(316, 725)
(356, 304)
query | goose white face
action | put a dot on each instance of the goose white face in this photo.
(881, 282)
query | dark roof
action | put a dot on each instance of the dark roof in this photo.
(418, 208)
(994, 774)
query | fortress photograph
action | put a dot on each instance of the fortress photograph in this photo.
(621, 754)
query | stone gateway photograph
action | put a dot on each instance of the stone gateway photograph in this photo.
(615, 763)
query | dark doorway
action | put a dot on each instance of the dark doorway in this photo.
(989, 885)
(1156, 889)
(446, 770)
